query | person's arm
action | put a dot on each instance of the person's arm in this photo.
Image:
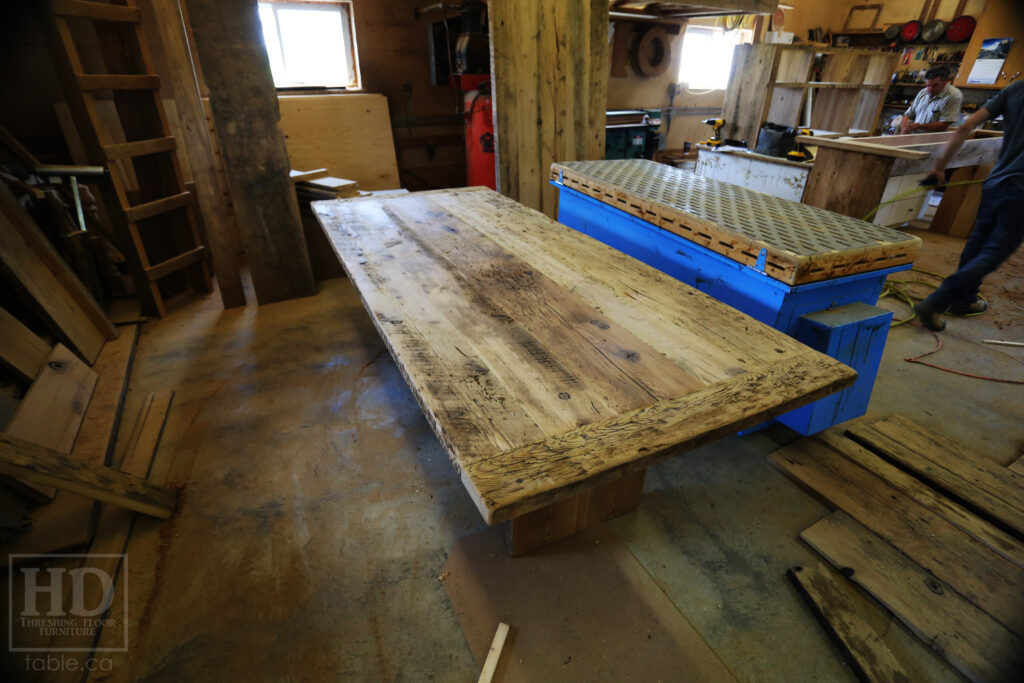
(936, 127)
(959, 137)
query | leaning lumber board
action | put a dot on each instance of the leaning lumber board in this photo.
(298, 176)
(52, 409)
(542, 380)
(971, 568)
(48, 284)
(29, 461)
(995, 538)
(984, 485)
(978, 646)
(20, 349)
(832, 604)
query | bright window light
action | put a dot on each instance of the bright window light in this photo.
(310, 43)
(707, 56)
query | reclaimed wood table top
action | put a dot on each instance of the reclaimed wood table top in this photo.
(802, 243)
(546, 362)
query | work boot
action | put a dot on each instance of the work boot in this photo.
(929, 318)
(978, 306)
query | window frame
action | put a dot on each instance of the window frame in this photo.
(345, 7)
(744, 36)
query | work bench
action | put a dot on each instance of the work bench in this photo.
(810, 273)
(554, 369)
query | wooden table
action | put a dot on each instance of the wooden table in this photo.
(554, 369)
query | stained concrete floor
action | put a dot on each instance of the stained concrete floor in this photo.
(317, 507)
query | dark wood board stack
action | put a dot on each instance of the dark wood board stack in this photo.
(931, 530)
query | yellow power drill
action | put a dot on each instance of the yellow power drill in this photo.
(716, 137)
(800, 153)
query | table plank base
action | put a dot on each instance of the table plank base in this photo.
(572, 515)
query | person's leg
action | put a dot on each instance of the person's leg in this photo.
(997, 235)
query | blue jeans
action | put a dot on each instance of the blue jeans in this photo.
(998, 232)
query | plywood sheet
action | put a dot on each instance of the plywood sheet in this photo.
(543, 380)
(349, 135)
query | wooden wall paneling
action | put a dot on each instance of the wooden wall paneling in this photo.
(349, 135)
(168, 31)
(868, 110)
(229, 40)
(36, 270)
(549, 63)
(833, 109)
(20, 349)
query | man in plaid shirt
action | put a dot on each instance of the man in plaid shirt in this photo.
(935, 107)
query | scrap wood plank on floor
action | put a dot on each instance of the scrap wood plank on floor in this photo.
(583, 607)
(972, 641)
(972, 568)
(831, 601)
(20, 349)
(114, 527)
(69, 521)
(52, 410)
(46, 466)
(984, 485)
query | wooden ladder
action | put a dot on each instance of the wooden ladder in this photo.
(156, 214)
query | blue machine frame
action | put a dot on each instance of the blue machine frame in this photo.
(750, 290)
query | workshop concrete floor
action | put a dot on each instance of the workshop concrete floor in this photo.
(317, 507)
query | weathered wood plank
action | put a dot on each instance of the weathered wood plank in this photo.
(832, 603)
(245, 109)
(51, 412)
(846, 181)
(978, 646)
(982, 484)
(46, 466)
(542, 380)
(165, 19)
(549, 63)
(970, 567)
(20, 349)
(48, 284)
(995, 538)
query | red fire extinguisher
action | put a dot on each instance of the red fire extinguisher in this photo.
(480, 137)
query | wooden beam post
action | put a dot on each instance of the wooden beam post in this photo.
(165, 21)
(549, 62)
(234, 61)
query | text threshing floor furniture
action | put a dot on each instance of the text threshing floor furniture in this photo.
(553, 368)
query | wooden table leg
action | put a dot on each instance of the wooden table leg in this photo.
(567, 517)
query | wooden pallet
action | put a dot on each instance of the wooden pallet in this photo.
(148, 188)
(802, 243)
